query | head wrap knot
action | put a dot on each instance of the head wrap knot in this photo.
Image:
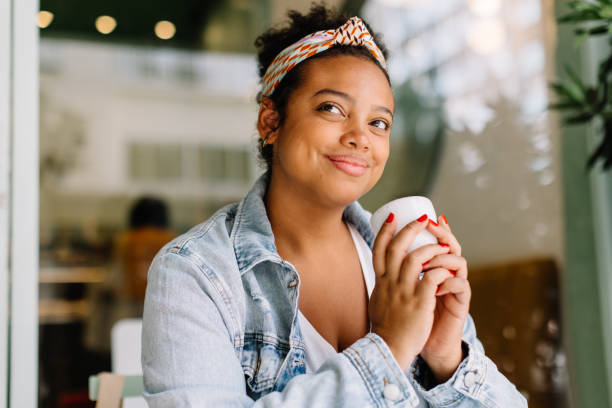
(353, 32)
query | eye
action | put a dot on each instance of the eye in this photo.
(381, 124)
(328, 107)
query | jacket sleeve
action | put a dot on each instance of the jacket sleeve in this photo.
(476, 382)
(188, 356)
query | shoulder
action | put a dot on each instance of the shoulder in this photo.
(198, 265)
(206, 245)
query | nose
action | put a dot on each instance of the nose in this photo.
(356, 138)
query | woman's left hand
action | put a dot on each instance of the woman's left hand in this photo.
(443, 352)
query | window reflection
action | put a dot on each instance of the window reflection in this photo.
(486, 63)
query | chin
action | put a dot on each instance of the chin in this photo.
(345, 192)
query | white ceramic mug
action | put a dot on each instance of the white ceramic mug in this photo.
(406, 210)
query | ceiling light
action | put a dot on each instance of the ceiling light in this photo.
(44, 19)
(105, 24)
(165, 30)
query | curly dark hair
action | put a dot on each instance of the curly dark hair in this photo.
(273, 41)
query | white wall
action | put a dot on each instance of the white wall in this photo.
(117, 95)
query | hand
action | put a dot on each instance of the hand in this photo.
(401, 308)
(442, 352)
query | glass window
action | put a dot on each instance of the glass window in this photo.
(475, 136)
(148, 127)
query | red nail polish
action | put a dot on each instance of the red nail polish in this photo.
(444, 218)
(390, 218)
(425, 264)
(454, 273)
(433, 222)
(445, 245)
(422, 218)
(437, 290)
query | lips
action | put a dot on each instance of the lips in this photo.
(351, 165)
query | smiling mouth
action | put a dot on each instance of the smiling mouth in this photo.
(349, 167)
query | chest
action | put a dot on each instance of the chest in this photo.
(332, 295)
(334, 298)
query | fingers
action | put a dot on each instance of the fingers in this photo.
(413, 264)
(429, 284)
(444, 222)
(456, 264)
(396, 251)
(379, 249)
(444, 236)
(458, 286)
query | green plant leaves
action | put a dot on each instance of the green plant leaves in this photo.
(604, 150)
(606, 12)
(587, 11)
(582, 103)
(579, 17)
(597, 30)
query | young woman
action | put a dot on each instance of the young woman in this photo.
(287, 298)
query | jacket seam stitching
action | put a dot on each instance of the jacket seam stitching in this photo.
(198, 234)
(363, 370)
(233, 323)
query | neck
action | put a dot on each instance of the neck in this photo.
(301, 225)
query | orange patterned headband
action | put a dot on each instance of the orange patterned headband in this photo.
(353, 32)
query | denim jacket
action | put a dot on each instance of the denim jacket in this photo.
(220, 328)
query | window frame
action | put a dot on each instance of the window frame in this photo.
(19, 203)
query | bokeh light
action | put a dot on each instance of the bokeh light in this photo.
(485, 8)
(105, 24)
(486, 36)
(165, 30)
(44, 19)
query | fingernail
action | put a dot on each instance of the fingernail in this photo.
(445, 245)
(454, 273)
(433, 222)
(425, 263)
(390, 218)
(437, 290)
(444, 218)
(422, 218)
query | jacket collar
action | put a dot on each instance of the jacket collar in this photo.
(252, 234)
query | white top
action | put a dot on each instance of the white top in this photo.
(317, 348)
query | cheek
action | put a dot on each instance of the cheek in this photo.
(307, 139)
(382, 152)
(293, 150)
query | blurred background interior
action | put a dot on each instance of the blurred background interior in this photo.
(147, 126)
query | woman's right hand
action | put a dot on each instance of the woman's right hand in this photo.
(401, 308)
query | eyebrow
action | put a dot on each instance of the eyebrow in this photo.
(348, 97)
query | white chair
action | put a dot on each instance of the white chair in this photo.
(125, 347)
(125, 354)
(125, 381)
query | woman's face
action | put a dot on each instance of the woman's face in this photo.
(334, 142)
